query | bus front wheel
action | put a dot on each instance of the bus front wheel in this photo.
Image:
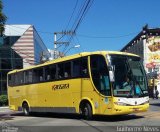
(25, 109)
(86, 111)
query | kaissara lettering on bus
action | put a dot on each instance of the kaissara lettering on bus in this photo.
(60, 86)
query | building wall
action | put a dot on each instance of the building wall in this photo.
(40, 50)
(148, 48)
(9, 60)
(24, 46)
(137, 47)
(21, 47)
(152, 52)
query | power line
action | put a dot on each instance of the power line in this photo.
(37, 30)
(80, 16)
(106, 37)
(74, 9)
(82, 13)
(84, 35)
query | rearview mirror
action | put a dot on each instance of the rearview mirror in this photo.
(111, 73)
(111, 76)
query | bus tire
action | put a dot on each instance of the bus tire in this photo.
(86, 111)
(25, 108)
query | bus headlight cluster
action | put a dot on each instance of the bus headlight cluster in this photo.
(120, 103)
(146, 102)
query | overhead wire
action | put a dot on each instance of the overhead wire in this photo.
(74, 9)
(106, 37)
(84, 35)
(81, 14)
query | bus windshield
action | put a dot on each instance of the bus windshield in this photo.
(130, 78)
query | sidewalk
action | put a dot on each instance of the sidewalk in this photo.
(4, 109)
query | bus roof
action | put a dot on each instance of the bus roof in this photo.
(74, 57)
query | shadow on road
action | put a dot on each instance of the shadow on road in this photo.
(9, 116)
(116, 118)
(155, 104)
(78, 117)
(4, 117)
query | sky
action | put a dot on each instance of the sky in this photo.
(108, 24)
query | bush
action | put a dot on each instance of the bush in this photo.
(3, 100)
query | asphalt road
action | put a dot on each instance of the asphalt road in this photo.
(147, 121)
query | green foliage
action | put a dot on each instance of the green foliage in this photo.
(3, 100)
(3, 19)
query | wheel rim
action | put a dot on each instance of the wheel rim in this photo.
(26, 109)
(85, 111)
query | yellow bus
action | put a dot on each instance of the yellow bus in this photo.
(88, 83)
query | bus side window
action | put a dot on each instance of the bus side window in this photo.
(52, 70)
(28, 77)
(10, 80)
(21, 78)
(100, 74)
(67, 69)
(84, 67)
(38, 75)
(47, 73)
(60, 71)
(76, 68)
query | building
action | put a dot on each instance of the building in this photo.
(147, 45)
(55, 54)
(21, 46)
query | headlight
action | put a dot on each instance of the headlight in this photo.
(147, 102)
(120, 103)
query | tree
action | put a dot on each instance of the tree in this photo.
(3, 19)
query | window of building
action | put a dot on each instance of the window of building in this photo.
(4, 74)
(6, 64)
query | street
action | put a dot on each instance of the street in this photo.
(64, 122)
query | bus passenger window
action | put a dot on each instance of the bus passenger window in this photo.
(60, 71)
(10, 79)
(41, 78)
(84, 67)
(38, 75)
(76, 68)
(48, 77)
(52, 72)
(66, 74)
(67, 69)
(100, 74)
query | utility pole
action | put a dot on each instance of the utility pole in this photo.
(56, 42)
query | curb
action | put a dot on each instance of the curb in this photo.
(4, 107)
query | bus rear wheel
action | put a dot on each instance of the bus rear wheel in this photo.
(25, 108)
(86, 111)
